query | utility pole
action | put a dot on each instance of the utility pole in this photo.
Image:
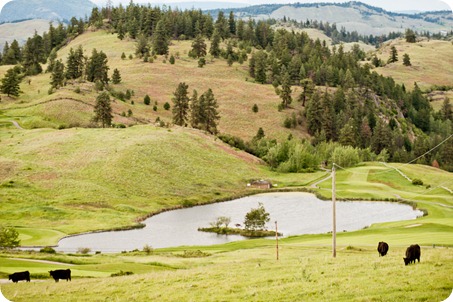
(334, 215)
(276, 237)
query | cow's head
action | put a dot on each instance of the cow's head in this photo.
(406, 261)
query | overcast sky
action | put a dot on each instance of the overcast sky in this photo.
(390, 5)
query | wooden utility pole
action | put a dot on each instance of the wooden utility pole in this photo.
(334, 215)
(276, 237)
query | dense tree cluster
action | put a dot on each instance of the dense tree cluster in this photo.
(198, 111)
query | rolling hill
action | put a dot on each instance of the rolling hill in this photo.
(353, 16)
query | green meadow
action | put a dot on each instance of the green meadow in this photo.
(59, 177)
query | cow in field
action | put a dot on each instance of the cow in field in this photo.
(64, 274)
(19, 276)
(382, 248)
(412, 254)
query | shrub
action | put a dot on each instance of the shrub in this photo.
(47, 250)
(148, 249)
(201, 62)
(417, 182)
(172, 60)
(147, 100)
(167, 106)
(121, 273)
(83, 250)
(255, 108)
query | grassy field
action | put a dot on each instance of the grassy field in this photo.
(431, 60)
(237, 272)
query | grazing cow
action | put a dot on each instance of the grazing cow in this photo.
(412, 254)
(382, 248)
(19, 276)
(64, 274)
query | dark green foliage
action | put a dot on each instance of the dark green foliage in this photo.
(406, 60)
(255, 108)
(257, 218)
(410, 36)
(147, 100)
(142, 47)
(198, 47)
(417, 182)
(209, 114)
(123, 56)
(75, 63)
(214, 50)
(10, 83)
(160, 39)
(167, 106)
(9, 238)
(172, 59)
(33, 55)
(103, 110)
(180, 104)
(47, 250)
(393, 55)
(116, 77)
(57, 76)
(97, 68)
(201, 62)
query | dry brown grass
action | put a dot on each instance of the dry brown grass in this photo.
(432, 63)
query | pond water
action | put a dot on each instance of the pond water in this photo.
(296, 213)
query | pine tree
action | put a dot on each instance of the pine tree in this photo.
(33, 55)
(214, 50)
(285, 91)
(232, 24)
(406, 60)
(57, 76)
(103, 110)
(160, 39)
(308, 88)
(147, 100)
(314, 114)
(393, 55)
(116, 77)
(410, 36)
(180, 104)
(198, 47)
(208, 105)
(75, 63)
(328, 117)
(10, 83)
(97, 67)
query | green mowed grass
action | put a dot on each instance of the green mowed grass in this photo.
(302, 273)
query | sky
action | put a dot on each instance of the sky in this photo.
(390, 5)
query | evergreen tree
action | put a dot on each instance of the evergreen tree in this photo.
(160, 40)
(393, 55)
(33, 55)
(214, 50)
(147, 100)
(51, 59)
(97, 68)
(208, 104)
(308, 88)
(314, 114)
(103, 110)
(180, 104)
(116, 77)
(232, 24)
(410, 36)
(12, 55)
(285, 91)
(198, 47)
(142, 47)
(10, 83)
(259, 62)
(75, 63)
(57, 76)
(221, 25)
(328, 117)
(406, 60)
(347, 134)
(446, 111)
(382, 137)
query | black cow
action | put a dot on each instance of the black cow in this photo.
(382, 248)
(19, 276)
(412, 254)
(64, 274)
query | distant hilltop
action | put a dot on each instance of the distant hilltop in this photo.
(18, 10)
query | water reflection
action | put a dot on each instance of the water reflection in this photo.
(297, 213)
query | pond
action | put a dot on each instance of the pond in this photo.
(297, 213)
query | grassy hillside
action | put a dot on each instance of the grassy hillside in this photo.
(431, 60)
(21, 31)
(232, 86)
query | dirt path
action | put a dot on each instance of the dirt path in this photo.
(16, 124)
